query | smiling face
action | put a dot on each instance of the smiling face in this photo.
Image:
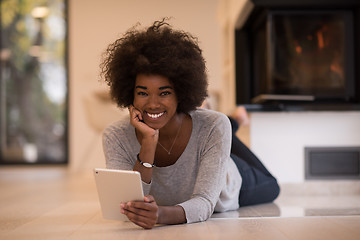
(155, 98)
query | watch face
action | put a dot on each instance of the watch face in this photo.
(148, 165)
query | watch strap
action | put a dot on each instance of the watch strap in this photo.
(147, 165)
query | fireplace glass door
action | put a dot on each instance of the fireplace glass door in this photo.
(309, 53)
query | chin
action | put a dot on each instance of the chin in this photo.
(154, 126)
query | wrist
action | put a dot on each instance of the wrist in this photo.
(145, 164)
(171, 215)
(151, 138)
(148, 141)
(160, 216)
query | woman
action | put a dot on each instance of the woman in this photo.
(181, 151)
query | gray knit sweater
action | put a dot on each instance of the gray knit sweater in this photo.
(203, 180)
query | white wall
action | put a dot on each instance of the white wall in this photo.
(94, 24)
(279, 139)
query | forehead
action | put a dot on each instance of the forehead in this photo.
(152, 81)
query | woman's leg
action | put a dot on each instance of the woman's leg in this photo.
(258, 185)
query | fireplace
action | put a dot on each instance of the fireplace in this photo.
(300, 55)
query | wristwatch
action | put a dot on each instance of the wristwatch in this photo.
(145, 164)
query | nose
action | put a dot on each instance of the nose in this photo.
(154, 102)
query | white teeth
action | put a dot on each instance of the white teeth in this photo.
(155, 115)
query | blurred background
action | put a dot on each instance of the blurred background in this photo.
(54, 105)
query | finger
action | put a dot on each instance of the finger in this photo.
(149, 199)
(139, 116)
(147, 206)
(141, 209)
(135, 110)
(141, 221)
(145, 225)
(122, 206)
(136, 215)
(131, 110)
(136, 115)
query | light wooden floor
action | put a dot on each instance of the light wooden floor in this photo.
(51, 203)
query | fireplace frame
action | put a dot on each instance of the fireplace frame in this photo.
(251, 47)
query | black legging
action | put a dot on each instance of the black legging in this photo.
(258, 185)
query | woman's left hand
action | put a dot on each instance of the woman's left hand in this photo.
(144, 214)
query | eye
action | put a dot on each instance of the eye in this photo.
(165, 93)
(141, 93)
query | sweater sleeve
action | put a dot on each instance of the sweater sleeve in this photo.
(211, 176)
(119, 152)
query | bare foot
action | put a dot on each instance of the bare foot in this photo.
(241, 116)
(205, 105)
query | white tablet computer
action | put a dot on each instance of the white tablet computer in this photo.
(115, 187)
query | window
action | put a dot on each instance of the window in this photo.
(33, 81)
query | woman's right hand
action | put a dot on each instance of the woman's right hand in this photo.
(148, 140)
(143, 213)
(137, 121)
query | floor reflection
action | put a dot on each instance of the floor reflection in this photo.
(299, 206)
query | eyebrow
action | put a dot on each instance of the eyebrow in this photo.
(165, 87)
(141, 87)
(160, 88)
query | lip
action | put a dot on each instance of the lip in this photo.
(155, 116)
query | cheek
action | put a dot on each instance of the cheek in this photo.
(173, 106)
(137, 102)
(138, 106)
